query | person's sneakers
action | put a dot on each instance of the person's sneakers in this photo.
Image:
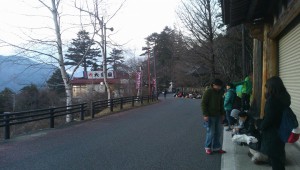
(228, 129)
(208, 151)
(221, 151)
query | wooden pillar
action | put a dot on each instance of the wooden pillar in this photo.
(270, 62)
(257, 76)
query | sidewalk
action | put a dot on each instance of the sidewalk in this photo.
(237, 158)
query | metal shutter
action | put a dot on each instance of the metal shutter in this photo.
(289, 65)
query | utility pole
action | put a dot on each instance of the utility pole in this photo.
(107, 89)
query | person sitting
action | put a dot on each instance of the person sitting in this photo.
(246, 125)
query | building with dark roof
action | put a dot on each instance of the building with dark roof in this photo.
(275, 28)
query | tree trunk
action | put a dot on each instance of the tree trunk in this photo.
(211, 40)
(61, 60)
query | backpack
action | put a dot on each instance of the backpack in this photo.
(288, 126)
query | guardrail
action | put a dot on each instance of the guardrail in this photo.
(8, 119)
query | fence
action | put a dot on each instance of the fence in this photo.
(8, 119)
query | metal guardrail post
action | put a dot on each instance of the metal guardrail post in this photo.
(51, 118)
(142, 99)
(82, 112)
(7, 125)
(111, 104)
(121, 103)
(132, 101)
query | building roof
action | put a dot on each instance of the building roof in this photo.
(235, 12)
(84, 81)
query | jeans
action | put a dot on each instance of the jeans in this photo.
(213, 133)
(230, 120)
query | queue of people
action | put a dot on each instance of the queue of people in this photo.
(260, 135)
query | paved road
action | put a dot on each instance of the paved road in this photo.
(168, 135)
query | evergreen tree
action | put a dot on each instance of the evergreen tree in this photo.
(28, 98)
(7, 99)
(163, 47)
(56, 83)
(116, 58)
(81, 51)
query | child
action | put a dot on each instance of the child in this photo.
(228, 104)
(246, 125)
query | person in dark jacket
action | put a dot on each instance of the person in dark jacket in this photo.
(213, 112)
(277, 99)
(248, 126)
(228, 104)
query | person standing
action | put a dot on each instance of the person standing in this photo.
(277, 99)
(246, 92)
(228, 104)
(165, 93)
(213, 112)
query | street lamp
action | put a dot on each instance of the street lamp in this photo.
(105, 43)
(105, 55)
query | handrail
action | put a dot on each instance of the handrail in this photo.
(8, 119)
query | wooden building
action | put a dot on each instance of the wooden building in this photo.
(275, 27)
(120, 83)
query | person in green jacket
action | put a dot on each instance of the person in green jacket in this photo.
(246, 91)
(228, 104)
(213, 112)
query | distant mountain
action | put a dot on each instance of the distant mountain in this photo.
(17, 72)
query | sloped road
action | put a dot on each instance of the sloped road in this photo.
(168, 135)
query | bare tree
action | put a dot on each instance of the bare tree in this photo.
(98, 22)
(201, 19)
(47, 49)
(53, 8)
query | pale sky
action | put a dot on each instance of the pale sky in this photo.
(135, 21)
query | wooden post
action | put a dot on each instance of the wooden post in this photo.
(82, 112)
(270, 62)
(93, 110)
(7, 125)
(257, 76)
(132, 101)
(121, 103)
(51, 117)
(111, 104)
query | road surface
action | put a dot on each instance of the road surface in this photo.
(168, 135)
